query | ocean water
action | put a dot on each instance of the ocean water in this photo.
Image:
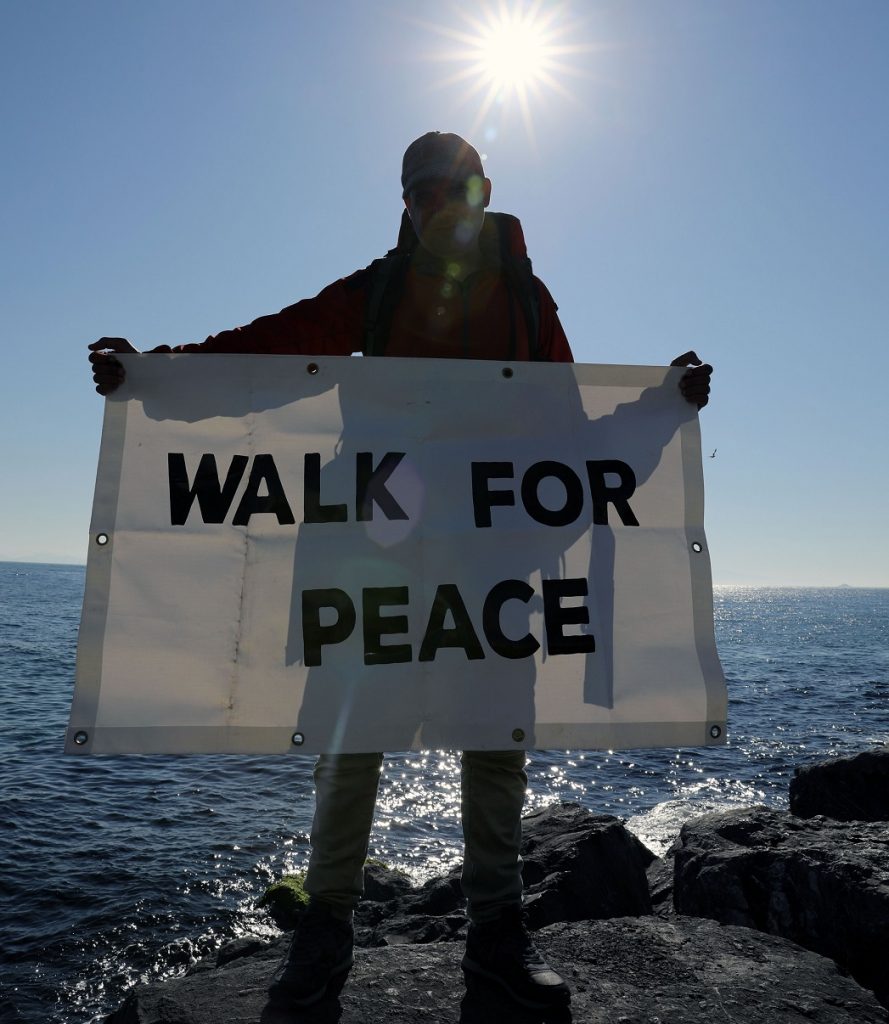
(117, 870)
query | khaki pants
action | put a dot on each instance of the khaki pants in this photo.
(493, 793)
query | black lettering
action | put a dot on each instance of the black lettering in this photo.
(556, 617)
(573, 506)
(213, 500)
(377, 625)
(483, 499)
(274, 501)
(618, 496)
(370, 486)
(461, 634)
(315, 636)
(508, 590)
(313, 510)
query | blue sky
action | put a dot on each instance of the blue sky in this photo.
(716, 180)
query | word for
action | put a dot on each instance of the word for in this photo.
(484, 499)
(264, 493)
(448, 605)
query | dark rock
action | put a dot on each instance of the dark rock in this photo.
(580, 865)
(437, 896)
(433, 912)
(245, 946)
(382, 883)
(402, 929)
(660, 885)
(577, 866)
(622, 971)
(846, 788)
(815, 881)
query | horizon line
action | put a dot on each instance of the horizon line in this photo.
(755, 586)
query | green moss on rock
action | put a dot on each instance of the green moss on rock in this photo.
(375, 862)
(286, 900)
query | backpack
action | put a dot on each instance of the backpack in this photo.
(387, 284)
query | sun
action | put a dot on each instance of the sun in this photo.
(513, 52)
(509, 54)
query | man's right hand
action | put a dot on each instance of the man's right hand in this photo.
(108, 372)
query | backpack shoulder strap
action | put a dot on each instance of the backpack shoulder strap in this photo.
(386, 277)
(519, 276)
(529, 297)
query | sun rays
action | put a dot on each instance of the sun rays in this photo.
(511, 55)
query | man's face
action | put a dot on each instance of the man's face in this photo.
(448, 215)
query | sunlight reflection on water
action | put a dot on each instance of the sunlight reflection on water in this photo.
(148, 863)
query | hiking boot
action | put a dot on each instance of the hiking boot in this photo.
(320, 950)
(502, 951)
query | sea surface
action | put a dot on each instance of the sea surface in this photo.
(118, 870)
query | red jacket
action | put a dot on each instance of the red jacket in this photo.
(435, 315)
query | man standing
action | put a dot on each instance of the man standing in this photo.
(457, 285)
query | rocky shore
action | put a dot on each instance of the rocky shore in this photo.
(754, 916)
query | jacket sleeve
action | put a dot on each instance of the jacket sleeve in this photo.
(553, 342)
(330, 324)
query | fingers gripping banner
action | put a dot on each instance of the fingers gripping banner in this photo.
(291, 554)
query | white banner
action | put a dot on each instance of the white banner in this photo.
(298, 554)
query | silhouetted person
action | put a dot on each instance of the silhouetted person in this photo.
(457, 285)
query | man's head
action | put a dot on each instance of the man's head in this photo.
(445, 191)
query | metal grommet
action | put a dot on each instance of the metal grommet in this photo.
(507, 372)
(297, 739)
(518, 735)
(102, 539)
(715, 731)
(312, 368)
(80, 738)
(697, 547)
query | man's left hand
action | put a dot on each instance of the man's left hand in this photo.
(694, 383)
